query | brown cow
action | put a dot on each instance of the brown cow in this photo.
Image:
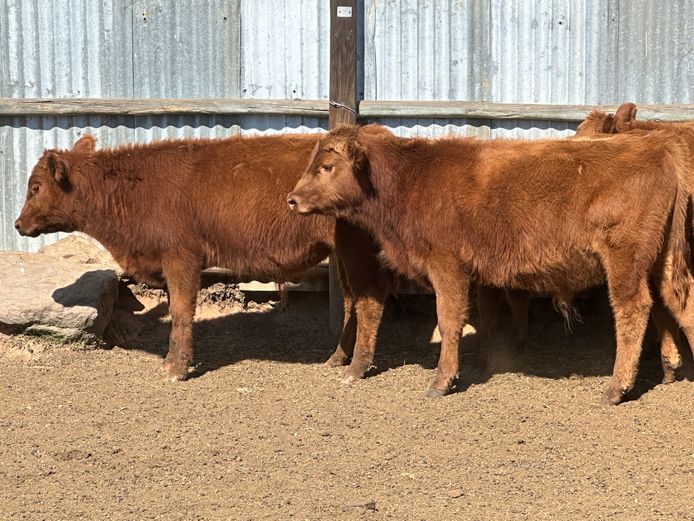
(169, 209)
(597, 124)
(514, 214)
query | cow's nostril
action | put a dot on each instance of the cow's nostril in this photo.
(291, 202)
(16, 225)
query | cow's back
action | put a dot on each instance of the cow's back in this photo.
(561, 199)
(524, 214)
(241, 216)
(215, 202)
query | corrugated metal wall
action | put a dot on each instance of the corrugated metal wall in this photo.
(548, 51)
(527, 51)
(150, 49)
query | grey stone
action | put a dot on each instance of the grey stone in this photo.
(61, 298)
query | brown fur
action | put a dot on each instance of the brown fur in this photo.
(169, 209)
(597, 125)
(600, 124)
(533, 215)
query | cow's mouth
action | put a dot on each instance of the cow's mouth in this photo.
(34, 231)
(23, 230)
(31, 232)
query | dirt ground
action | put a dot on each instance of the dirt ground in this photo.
(265, 431)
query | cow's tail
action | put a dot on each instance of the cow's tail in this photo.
(563, 303)
(680, 231)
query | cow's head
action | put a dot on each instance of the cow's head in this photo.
(597, 122)
(49, 205)
(337, 178)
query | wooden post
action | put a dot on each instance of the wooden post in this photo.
(343, 107)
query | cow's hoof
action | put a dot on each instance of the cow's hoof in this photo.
(355, 371)
(175, 373)
(613, 396)
(336, 360)
(348, 379)
(668, 375)
(435, 393)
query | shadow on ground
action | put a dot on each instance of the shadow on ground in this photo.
(299, 334)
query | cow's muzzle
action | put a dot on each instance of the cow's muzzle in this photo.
(298, 204)
(20, 226)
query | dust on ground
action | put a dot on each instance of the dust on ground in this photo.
(263, 430)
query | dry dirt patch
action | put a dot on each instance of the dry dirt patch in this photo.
(265, 431)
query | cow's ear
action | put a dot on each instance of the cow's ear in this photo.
(57, 167)
(85, 145)
(625, 113)
(355, 152)
(608, 124)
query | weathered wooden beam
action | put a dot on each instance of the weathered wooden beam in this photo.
(343, 109)
(491, 110)
(320, 108)
(159, 107)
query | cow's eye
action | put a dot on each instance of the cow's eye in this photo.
(326, 167)
(34, 190)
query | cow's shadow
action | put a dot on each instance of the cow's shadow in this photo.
(300, 334)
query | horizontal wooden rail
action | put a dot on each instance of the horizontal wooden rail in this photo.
(160, 107)
(491, 110)
(319, 108)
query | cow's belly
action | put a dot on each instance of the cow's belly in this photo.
(143, 269)
(576, 271)
(269, 264)
(266, 245)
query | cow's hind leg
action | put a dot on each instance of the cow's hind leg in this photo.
(668, 333)
(367, 286)
(451, 286)
(183, 282)
(683, 316)
(488, 300)
(345, 346)
(631, 303)
(519, 301)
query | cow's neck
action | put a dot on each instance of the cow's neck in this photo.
(385, 213)
(106, 207)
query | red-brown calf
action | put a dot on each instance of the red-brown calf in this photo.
(169, 209)
(536, 216)
(600, 124)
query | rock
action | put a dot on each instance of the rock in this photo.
(80, 248)
(58, 297)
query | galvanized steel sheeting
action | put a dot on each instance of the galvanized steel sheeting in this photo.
(522, 51)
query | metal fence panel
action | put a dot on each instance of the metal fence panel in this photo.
(546, 51)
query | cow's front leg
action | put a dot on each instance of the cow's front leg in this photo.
(345, 347)
(365, 285)
(183, 282)
(451, 285)
(369, 310)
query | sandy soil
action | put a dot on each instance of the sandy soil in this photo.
(265, 431)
